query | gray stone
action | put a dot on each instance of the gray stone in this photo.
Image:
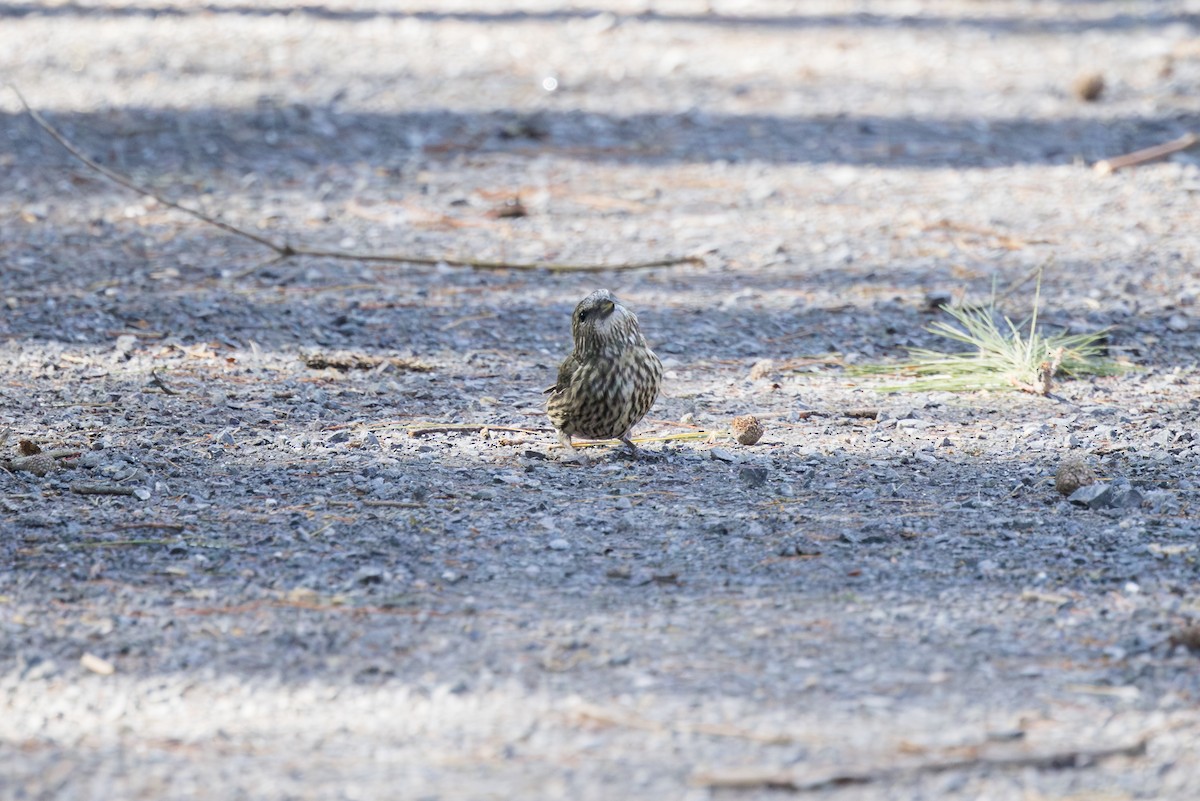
(1093, 496)
(370, 575)
(753, 477)
(1125, 498)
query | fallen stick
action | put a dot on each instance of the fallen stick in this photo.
(157, 380)
(592, 713)
(100, 489)
(1109, 166)
(466, 428)
(122, 543)
(796, 781)
(1005, 240)
(159, 526)
(309, 606)
(680, 437)
(286, 250)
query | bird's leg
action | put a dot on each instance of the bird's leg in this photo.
(640, 454)
(570, 453)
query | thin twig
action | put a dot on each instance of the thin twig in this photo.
(1005, 240)
(421, 429)
(286, 250)
(160, 526)
(619, 717)
(157, 381)
(1109, 166)
(684, 435)
(212, 544)
(482, 264)
(808, 361)
(254, 606)
(117, 178)
(100, 489)
(1023, 280)
(467, 428)
(797, 782)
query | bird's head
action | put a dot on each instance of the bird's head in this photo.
(600, 319)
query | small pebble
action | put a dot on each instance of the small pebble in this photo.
(370, 575)
(722, 455)
(1088, 86)
(938, 298)
(96, 664)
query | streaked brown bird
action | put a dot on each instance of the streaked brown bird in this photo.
(611, 378)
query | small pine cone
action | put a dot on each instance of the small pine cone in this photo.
(747, 429)
(39, 463)
(1073, 472)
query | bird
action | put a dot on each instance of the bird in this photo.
(610, 379)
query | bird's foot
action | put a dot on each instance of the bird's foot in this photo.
(636, 454)
(570, 454)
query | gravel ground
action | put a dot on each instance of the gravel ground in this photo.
(301, 595)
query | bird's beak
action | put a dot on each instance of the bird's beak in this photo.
(607, 308)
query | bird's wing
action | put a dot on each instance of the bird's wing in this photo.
(565, 371)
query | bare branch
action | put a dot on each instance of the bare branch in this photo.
(799, 782)
(1108, 166)
(286, 250)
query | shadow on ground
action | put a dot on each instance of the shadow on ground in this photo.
(997, 23)
(277, 141)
